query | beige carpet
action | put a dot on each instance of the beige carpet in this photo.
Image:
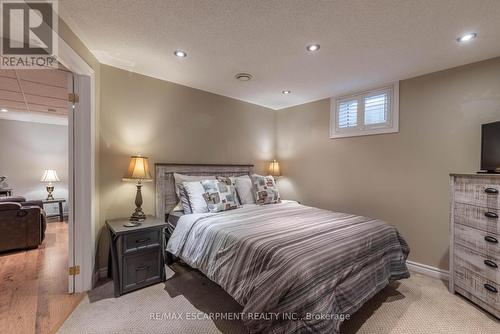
(416, 305)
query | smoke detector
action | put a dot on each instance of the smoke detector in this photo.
(244, 76)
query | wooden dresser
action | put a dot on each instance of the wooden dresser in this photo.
(474, 239)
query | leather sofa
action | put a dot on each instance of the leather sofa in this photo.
(22, 223)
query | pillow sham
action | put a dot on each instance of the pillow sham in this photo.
(179, 178)
(219, 196)
(178, 208)
(195, 191)
(244, 189)
(265, 189)
(184, 200)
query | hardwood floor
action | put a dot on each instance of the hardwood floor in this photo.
(34, 286)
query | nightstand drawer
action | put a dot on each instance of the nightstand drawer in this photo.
(136, 241)
(141, 269)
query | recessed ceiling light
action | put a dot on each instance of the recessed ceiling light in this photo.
(286, 92)
(467, 37)
(244, 76)
(3, 110)
(180, 53)
(313, 47)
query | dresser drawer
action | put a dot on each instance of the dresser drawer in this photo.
(483, 192)
(141, 269)
(484, 265)
(134, 242)
(480, 287)
(479, 217)
(477, 240)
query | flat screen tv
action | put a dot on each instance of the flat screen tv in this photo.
(490, 147)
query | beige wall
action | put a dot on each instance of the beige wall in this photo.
(170, 123)
(27, 149)
(401, 178)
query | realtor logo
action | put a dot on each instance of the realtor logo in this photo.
(29, 34)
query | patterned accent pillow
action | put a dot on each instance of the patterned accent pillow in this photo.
(265, 189)
(219, 195)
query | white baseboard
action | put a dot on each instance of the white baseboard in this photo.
(428, 270)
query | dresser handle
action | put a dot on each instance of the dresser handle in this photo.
(490, 288)
(491, 239)
(490, 263)
(141, 268)
(490, 214)
(140, 241)
(491, 191)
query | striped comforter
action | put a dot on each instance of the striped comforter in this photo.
(295, 269)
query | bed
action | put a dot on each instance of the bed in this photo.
(294, 268)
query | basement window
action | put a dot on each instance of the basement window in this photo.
(365, 113)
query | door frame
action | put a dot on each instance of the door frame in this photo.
(81, 222)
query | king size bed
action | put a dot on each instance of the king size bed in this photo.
(294, 268)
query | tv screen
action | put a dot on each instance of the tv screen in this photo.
(490, 147)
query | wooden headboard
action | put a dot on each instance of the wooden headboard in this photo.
(166, 199)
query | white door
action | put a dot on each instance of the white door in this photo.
(71, 184)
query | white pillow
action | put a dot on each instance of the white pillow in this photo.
(195, 192)
(244, 188)
(179, 178)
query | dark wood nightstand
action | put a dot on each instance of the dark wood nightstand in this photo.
(137, 253)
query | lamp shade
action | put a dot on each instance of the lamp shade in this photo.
(138, 169)
(50, 175)
(274, 168)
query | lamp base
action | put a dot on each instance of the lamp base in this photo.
(50, 189)
(138, 214)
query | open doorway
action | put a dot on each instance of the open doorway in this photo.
(35, 191)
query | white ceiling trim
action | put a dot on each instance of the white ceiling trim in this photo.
(34, 117)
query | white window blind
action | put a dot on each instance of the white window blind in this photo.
(366, 113)
(348, 114)
(376, 109)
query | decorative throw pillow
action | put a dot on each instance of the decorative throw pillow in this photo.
(219, 195)
(244, 189)
(195, 192)
(265, 189)
(230, 181)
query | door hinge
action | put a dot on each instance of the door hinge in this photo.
(74, 98)
(73, 271)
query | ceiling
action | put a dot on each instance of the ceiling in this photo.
(363, 43)
(34, 94)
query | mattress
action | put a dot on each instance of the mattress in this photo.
(172, 220)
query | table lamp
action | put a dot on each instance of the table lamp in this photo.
(50, 175)
(274, 168)
(138, 170)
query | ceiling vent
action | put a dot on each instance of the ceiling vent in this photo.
(244, 76)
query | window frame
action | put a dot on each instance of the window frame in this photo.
(391, 126)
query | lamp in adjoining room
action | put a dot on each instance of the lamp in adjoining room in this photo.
(274, 168)
(50, 175)
(138, 170)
